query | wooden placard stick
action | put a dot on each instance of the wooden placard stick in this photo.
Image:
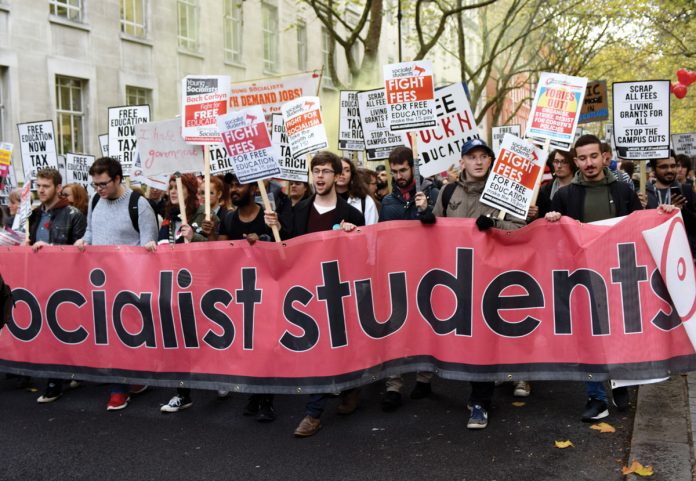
(414, 148)
(643, 177)
(267, 207)
(182, 203)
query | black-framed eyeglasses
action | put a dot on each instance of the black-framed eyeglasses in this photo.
(101, 185)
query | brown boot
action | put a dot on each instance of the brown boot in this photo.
(307, 427)
(349, 401)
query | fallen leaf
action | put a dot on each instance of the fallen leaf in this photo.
(637, 468)
(518, 404)
(603, 428)
(564, 444)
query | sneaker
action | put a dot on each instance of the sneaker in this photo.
(252, 407)
(118, 400)
(478, 418)
(594, 409)
(137, 389)
(391, 401)
(53, 392)
(421, 390)
(619, 398)
(176, 404)
(266, 412)
(222, 394)
(307, 427)
(522, 389)
(349, 401)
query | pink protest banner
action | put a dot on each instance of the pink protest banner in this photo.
(331, 310)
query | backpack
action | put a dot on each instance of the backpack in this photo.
(6, 303)
(447, 192)
(132, 208)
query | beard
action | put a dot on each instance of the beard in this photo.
(243, 200)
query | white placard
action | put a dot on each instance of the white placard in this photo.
(104, 144)
(122, 140)
(350, 134)
(291, 168)
(163, 150)
(38, 146)
(410, 94)
(641, 119)
(304, 126)
(77, 169)
(684, 144)
(203, 99)
(510, 184)
(379, 140)
(497, 134)
(220, 162)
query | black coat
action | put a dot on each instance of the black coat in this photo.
(343, 212)
(67, 224)
(570, 200)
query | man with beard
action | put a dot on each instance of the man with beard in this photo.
(400, 205)
(54, 222)
(382, 183)
(325, 210)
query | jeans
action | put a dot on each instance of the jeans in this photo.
(119, 388)
(316, 404)
(482, 393)
(596, 390)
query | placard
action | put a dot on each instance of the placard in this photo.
(497, 134)
(595, 105)
(379, 140)
(220, 162)
(248, 144)
(441, 147)
(160, 182)
(163, 150)
(291, 168)
(510, 184)
(684, 144)
(304, 125)
(350, 134)
(38, 146)
(641, 119)
(410, 95)
(104, 144)
(556, 109)
(77, 169)
(122, 140)
(6, 149)
(203, 99)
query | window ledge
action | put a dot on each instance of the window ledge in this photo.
(69, 23)
(5, 7)
(271, 73)
(132, 38)
(190, 53)
(238, 65)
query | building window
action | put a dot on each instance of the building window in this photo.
(70, 114)
(301, 45)
(233, 30)
(70, 9)
(270, 37)
(133, 17)
(138, 96)
(325, 51)
(188, 24)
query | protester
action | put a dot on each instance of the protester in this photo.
(174, 231)
(595, 194)
(217, 200)
(77, 196)
(299, 191)
(609, 161)
(683, 168)
(564, 169)
(461, 199)
(158, 200)
(325, 210)
(351, 187)
(117, 216)
(14, 200)
(382, 183)
(54, 222)
(400, 205)
(369, 177)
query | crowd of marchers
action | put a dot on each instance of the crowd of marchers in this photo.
(585, 184)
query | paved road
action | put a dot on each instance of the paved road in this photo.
(76, 438)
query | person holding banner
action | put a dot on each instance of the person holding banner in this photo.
(350, 186)
(595, 194)
(117, 216)
(54, 222)
(461, 199)
(325, 210)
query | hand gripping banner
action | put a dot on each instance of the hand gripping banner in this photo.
(331, 310)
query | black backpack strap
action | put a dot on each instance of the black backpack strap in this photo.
(446, 196)
(362, 202)
(95, 199)
(133, 210)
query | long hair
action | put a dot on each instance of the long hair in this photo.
(356, 187)
(80, 197)
(189, 183)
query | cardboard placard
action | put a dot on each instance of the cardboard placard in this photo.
(203, 99)
(441, 147)
(160, 182)
(77, 169)
(556, 109)
(510, 185)
(220, 162)
(304, 126)
(291, 168)
(595, 106)
(684, 144)
(498, 133)
(379, 140)
(104, 144)
(248, 144)
(37, 142)
(641, 119)
(163, 150)
(410, 94)
(122, 140)
(272, 93)
(350, 133)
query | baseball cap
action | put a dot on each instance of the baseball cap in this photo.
(476, 144)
